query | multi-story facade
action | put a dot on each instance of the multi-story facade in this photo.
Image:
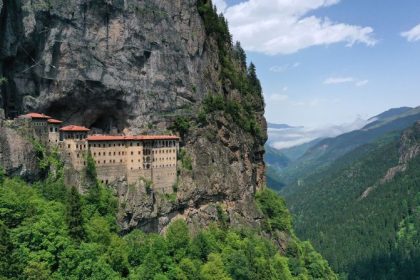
(152, 157)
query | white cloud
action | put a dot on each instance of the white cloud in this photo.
(221, 5)
(284, 68)
(284, 27)
(286, 138)
(279, 97)
(413, 34)
(345, 80)
(362, 83)
(338, 80)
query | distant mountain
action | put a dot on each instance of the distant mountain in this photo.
(281, 126)
(391, 113)
(362, 212)
(296, 152)
(322, 154)
(274, 157)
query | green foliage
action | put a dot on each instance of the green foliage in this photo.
(214, 269)
(181, 125)
(378, 234)
(3, 80)
(185, 159)
(42, 238)
(74, 215)
(275, 211)
(2, 174)
(90, 167)
(148, 185)
(241, 115)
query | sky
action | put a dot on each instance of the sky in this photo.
(330, 62)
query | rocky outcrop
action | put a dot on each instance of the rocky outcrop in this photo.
(17, 156)
(409, 149)
(106, 64)
(134, 66)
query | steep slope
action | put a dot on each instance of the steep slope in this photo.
(395, 112)
(275, 157)
(362, 212)
(144, 67)
(326, 151)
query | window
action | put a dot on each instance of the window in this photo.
(109, 153)
(68, 146)
(132, 153)
(51, 129)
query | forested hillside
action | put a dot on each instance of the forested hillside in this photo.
(321, 155)
(363, 212)
(50, 232)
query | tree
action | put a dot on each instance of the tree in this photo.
(181, 125)
(275, 210)
(6, 248)
(91, 174)
(178, 239)
(214, 269)
(74, 215)
(3, 80)
(254, 82)
(241, 55)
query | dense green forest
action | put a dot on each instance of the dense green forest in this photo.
(48, 231)
(372, 237)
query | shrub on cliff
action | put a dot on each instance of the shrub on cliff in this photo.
(275, 211)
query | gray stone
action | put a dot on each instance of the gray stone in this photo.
(131, 65)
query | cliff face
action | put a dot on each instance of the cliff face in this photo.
(135, 66)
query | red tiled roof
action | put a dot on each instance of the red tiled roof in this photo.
(75, 128)
(54, 121)
(131, 138)
(35, 116)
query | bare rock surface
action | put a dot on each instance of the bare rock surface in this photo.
(132, 66)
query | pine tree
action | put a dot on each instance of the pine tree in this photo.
(94, 190)
(74, 215)
(241, 55)
(254, 83)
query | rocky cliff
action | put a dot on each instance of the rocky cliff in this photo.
(140, 66)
